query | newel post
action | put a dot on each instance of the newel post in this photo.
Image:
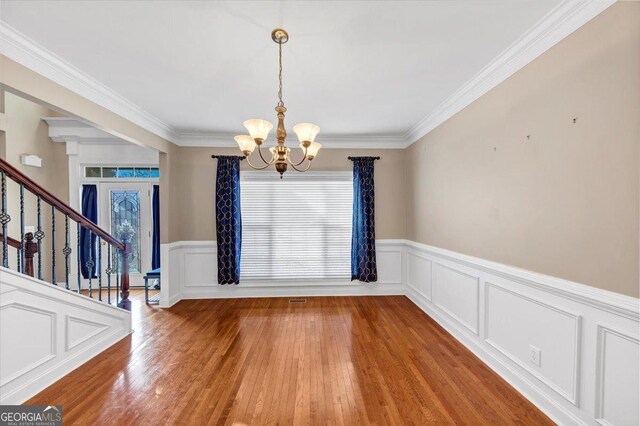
(125, 303)
(30, 248)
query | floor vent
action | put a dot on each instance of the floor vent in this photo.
(297, 301)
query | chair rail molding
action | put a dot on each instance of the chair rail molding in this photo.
(47, 331)
(586, 338)
(189, 272)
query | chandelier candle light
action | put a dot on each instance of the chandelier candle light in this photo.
(259, 130)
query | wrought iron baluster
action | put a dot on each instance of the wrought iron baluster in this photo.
(118, 274)
(21, 249)
(4, 219)
(99, 264)
(90, 265)
(53, 245)
(108, 272)
(66, 250)
(79, 227)
(39, 235)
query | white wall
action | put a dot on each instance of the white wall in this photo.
(587, 337)
(47, 331)
(189, 272)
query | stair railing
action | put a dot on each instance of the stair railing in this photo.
(117, 259)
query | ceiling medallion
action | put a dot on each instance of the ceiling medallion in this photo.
(259, 130)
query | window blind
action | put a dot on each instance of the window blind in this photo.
(298, 227)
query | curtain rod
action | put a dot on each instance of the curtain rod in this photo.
(352, 158)
(218, 156)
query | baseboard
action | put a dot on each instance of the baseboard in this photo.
(48, 331)
(497, 311)
(520, 383)
(172, 300)
(189, 272)
(232, 291)
(49, 377)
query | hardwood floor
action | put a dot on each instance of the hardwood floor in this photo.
(333, 360)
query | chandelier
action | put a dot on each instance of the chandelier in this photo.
(259, 130)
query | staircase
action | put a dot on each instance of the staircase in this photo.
(63, 299)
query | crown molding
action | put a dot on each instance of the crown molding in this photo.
(361, 141)
(28, 53)
(564, 19)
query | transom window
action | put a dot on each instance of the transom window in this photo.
(121, 172)
(298, 227)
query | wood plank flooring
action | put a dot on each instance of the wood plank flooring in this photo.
(333, 360)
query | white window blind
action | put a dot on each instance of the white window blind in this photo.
(298, 227)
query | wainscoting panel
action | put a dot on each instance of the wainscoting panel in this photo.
(584, 366)
(191, 273)
(516, 324)
(617, 388)
(389, 258)
(457, 294)
(546, 336)
(47, 331)
(419, 270)
(200, 267)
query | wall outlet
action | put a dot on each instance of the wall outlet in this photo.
(534, 355)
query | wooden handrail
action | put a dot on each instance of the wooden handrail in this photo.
(48, 197)
(12, 242)
(30, 247)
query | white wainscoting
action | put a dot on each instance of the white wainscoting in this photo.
(191, 274)
(588, 338)
(47, 331)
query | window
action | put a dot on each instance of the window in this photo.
(122, 172)
(298, 227)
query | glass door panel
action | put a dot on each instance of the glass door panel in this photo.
(125, 217)
(127, 206)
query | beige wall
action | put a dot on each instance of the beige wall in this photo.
(197, 170)
(18, 79)
(30, 84)
(27, 133)
(564, 202)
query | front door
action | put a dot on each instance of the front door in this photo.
(124, 204)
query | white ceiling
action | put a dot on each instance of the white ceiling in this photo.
(352, 67)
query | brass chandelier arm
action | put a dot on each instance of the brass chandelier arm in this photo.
(259, 130)
(301, 161)
(256, 167)
(268, 163)
(301, 170)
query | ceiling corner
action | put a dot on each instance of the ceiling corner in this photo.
(561, 21)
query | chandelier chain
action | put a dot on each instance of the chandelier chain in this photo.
(259, 130)
(280, 103)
